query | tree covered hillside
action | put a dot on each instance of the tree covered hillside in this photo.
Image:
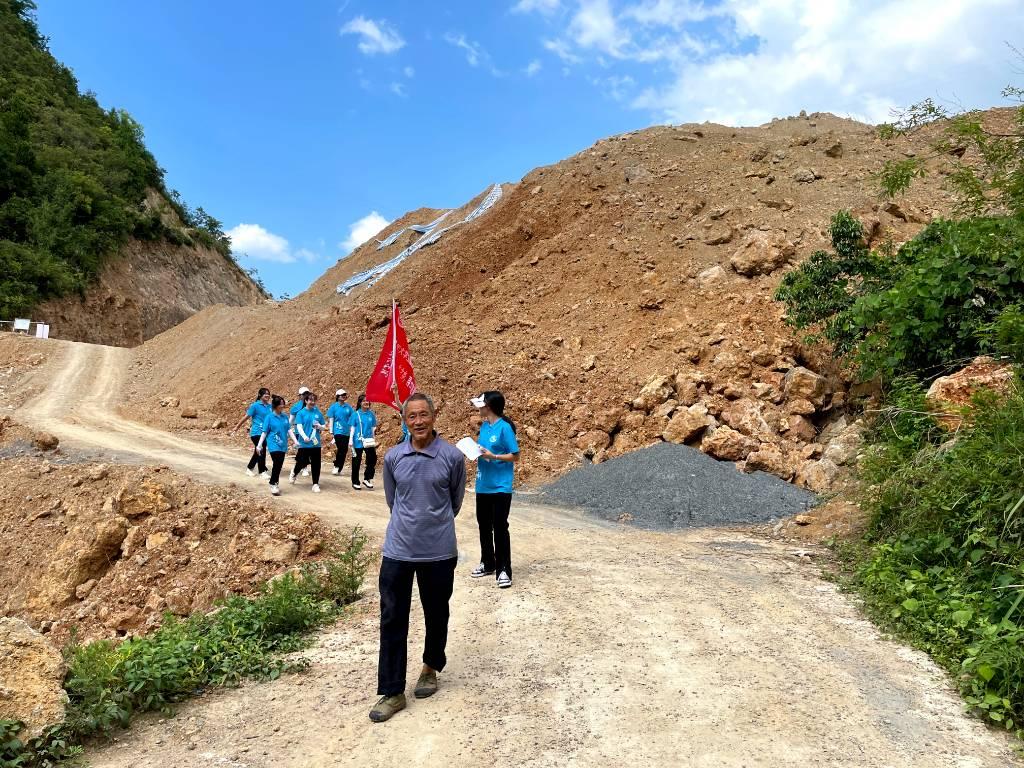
(73, 176)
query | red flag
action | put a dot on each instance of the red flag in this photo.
(392, 380)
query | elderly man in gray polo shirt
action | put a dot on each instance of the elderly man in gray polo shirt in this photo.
(424, 482)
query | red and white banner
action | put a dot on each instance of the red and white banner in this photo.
(392, 380)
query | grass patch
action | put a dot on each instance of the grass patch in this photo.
(942, 565)
(244, 638)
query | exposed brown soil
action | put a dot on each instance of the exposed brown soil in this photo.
(650, 254)
(108, 549)
(146, 289)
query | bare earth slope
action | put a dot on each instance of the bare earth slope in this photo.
(616, 646)
(650, 254)
(148, 288)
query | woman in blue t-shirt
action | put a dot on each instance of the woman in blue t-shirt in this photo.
(258, 412)
(306, 433)
(364, 440)
(274, 439)
(494, 475)
(339, 421)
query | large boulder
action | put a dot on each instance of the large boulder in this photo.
(31, 678)
(762, 253)
(45, 441)
(951, 395)
(745, 416)
(86, 552)
(770, 458)
(656, 391)
(147, 498)
(844, 447)
(688, 423)
(804, 384)
(818, 475)
(593, 441)
(727, 444)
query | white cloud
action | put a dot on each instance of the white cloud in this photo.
(533, 68)
(546, 7)
(375, 36)
(398, 89)
(362, 230)
(257, 243)
(746, 61)
(409, 72)
(475, 53)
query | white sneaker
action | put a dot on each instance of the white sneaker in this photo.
(275, 490)
(291, 477)
(315, 488)
(356, 487)
(504, 580)
(335, 471)
(305, 472)
(250, 473)
(480, 571)
(368, 484)
(265, 475)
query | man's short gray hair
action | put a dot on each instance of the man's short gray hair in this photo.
(419, 396)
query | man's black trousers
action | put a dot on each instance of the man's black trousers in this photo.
(435, 581)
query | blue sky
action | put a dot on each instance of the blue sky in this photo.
(306, 126)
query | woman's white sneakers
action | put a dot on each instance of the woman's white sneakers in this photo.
(480, 571)
(265, 475)
(305, 472)
(335, 471)
(250, 473)
(368, 484)
(504, 580)
(356, 487)
(275, 490)
(291, 477)
(315, 488)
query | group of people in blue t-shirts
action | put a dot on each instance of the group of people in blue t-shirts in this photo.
(272, 430)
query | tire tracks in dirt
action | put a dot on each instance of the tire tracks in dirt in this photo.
(702, 648)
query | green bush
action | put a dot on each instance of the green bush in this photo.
(943, 563)
(244, 638)
(934, 304)
(73, 176)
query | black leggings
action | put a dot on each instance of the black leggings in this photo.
(341, 446)
(495, 545)
(277, 460)
(371, 464)
(308, 457)
(258, 457)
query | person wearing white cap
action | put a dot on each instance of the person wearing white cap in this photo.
(339, 421)
(494, 475)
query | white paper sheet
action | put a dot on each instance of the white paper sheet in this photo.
(470, 448)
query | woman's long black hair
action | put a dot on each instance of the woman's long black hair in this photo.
(276, 401)
(359, 400)
(494, 400)
(263, 391)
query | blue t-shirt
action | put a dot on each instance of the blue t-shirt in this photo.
(276, 429)
(297, 406)
(306, 418)
(364, 423)
(493, 476)
(258, 411)
(342, 415)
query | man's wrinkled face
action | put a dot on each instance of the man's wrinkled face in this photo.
(419, 419)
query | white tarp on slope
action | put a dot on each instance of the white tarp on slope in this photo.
(421, 228)
(372, 275)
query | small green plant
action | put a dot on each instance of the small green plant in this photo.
(244, 638)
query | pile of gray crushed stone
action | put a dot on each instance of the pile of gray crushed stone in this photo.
(673, 486)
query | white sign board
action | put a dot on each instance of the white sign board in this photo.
(42, 331)
(21, 324)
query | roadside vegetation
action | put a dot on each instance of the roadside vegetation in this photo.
(243, 639)
(73, 176)
(942, 562)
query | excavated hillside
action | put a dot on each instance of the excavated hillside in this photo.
(620, 297)
(146, 289)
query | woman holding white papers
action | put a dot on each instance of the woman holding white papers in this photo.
(499, 451)
(363, 434)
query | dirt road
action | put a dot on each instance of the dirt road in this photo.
(616, 646)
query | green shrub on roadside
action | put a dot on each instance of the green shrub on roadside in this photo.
(943, 564)
(244, 638)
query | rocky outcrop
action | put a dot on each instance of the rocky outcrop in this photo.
(148, 288)
(31, 678)
(951, 395)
